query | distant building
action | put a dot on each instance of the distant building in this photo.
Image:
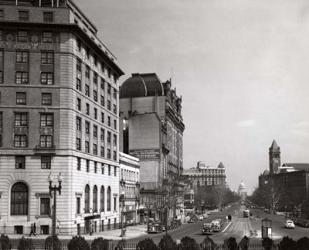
(242, 192)
(288, 184)
(129, 188)
(152, 130)
(58, 114)
(203, 175)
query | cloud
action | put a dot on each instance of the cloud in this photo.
(246, 123)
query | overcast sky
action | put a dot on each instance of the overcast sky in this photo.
(242, 67)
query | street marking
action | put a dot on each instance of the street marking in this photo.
(226, 227)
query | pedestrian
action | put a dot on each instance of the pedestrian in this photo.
(34, 229)
(31, 230)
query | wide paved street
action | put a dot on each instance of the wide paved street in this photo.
(237, 228)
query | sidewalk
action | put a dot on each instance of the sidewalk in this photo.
(131, 232)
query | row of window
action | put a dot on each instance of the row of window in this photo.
(95, 167)
(95, 113)
(95, 200)
(103, 67)
(20, 162)
(23, 36)
(21, 141)
(20, 200)
(95, 149)
(24, 15)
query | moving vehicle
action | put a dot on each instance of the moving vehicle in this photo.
(246, 213)
(207, 228)
(216, 225)
(289, 224)
(155, 227)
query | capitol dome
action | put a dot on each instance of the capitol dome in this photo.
(142, 85)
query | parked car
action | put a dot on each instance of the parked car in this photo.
(289, 224)
(301, 222)
(207, 228)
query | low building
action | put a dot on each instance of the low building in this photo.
(129, 189)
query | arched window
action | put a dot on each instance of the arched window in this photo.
(95, 199)
(87, 198)
(102, 199)
(109, 197)
(19, 199)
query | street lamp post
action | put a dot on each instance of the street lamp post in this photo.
(53, 191)
(122, 200)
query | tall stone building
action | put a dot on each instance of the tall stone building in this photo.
(152, 130)
(58, 115)
(274, 158)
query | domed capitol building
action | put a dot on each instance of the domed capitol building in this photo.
(242, 192)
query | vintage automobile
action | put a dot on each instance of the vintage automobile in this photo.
(289, 224)
(216, 225)
(207, 228)
(155, 227)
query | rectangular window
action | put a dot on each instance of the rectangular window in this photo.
(87, 150)
(78, 144)
(78, 123)
(46, 141)
(23, 15)
(45, 162)
(114, 108)
(46, 99)
(20, 141)
(44, 206)
(22, 78)
(102, 153)
(78, 84)
(115, 171)
(22, 56)
(109, 106)
(102, 117)
(115, 140)
(87, 165)
(95, 95)
(102, 99)
(95, 131)
(109, 89)
(109, 170)
(48, 17)
(95, 149)
(109, 121)
(1, 14)
(79, 65)
(87, 90)
(109, 156)
(21, 98)
(1, 77)
(115, 124)
(87, 72)
(20, 162)
(78, 164)
(109, 135)
(77, 205)
(102, 135)
(47, 37)
(21, 120)
(22, 36)
(47, 57)
(95, 113)
(114, 155)
(78, 104)
(87, 127)
(47, 78)
(87, 109)
(95, 60)
(79, 45)
(114, 93)
(46, 120)
(95, 78)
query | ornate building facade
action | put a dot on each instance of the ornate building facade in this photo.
(203, 175)
(58, 114)
(152, 130)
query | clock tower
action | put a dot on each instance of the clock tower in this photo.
(274, 158)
